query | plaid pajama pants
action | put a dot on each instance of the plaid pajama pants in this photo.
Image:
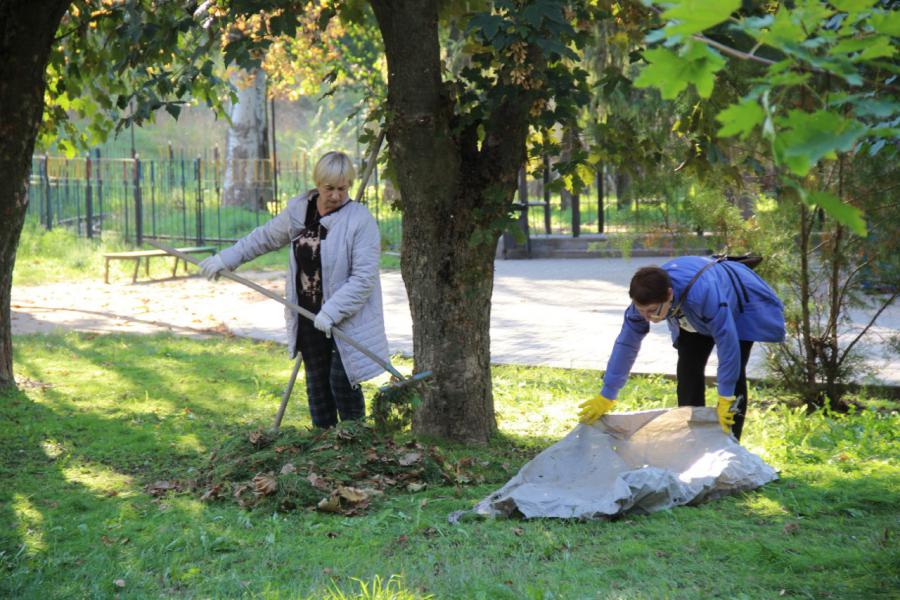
(328, 389)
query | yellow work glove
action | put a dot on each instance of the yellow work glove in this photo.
(724, 410)
(593, 409)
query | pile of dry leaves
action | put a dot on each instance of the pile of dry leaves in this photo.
(339, 470)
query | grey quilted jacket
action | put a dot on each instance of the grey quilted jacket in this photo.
(351, 283)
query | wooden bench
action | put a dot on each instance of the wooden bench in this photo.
(137, 255)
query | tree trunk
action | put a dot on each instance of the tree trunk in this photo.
(806, 332)
(570, 143)
(247, 179)
(623, 181)
(26, 36)
(451, 190)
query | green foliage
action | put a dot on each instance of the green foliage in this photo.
(59, 255)
(807, 138)
(817, 122)
(378, 589)
(741, 118)
(811, 100)
(522, 53)
(100, 420)
(120, 63)
(695, 64)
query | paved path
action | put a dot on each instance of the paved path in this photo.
(554, 312)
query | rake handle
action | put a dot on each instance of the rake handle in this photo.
(294, 307)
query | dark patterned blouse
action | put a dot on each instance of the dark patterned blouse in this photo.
(307, 252)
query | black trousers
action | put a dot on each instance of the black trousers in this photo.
(328, 389)
(693, 353)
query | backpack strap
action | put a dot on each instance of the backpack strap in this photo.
(693, 280)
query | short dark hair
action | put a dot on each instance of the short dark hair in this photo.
(650, 285)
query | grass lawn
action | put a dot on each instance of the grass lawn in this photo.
(100, 418)
(59, 255)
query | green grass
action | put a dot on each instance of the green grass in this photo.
(632, 217)
(59, 255)
(100, 418)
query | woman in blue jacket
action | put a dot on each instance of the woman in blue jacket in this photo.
(727, 305)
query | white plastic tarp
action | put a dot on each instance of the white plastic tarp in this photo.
(637, 462)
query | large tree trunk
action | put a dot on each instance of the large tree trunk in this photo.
(247, 179)
(26, 36)
(451, 192)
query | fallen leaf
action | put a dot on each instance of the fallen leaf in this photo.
(265, 484)
(351, 494)
(320, 483)
(416, 487)
(211, 493)
(791, 528)
(330, 504)
(410, 458)
(518, 531)
(159, 488)
(288, 468)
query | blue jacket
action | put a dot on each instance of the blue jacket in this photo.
(728, 302)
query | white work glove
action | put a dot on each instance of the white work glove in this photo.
(211, 266)
(324, 323)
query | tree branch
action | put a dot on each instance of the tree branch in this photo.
(884, 307)
(733, 51)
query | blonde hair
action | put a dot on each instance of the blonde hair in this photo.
(334, 168)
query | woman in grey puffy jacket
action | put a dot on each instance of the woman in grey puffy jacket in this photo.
(334, 273)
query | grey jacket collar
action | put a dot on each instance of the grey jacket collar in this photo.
(298, 215)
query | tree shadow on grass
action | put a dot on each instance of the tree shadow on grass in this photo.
(84, 451)
(62, 512)
(180, 387)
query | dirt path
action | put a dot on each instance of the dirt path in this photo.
(573, 327)
(184, 305)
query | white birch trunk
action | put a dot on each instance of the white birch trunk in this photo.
(248, 175)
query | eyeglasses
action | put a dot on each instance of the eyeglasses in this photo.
(658, 312)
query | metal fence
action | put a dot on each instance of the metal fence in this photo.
(176, 198)
(187, 200)
(595, 209)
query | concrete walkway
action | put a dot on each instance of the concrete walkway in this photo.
(553, 312)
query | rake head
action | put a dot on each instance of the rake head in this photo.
(393, 404)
